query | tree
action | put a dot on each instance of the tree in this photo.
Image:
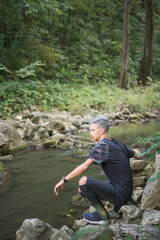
(123, 76)
(147, 60)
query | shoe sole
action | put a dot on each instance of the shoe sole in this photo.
(102, 222)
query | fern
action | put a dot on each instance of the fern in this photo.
(154, 142)
(154, 145)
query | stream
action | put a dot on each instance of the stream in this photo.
(31, 176)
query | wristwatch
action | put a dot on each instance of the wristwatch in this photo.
(64, 179)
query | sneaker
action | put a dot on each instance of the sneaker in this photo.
(94, 218)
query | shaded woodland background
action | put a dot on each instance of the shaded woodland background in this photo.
(114, 42)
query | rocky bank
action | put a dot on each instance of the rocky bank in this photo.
(136, 220)
(35, 129)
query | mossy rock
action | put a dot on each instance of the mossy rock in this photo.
(2, 167)
(50, 143)
(18, 149)
(78, 200)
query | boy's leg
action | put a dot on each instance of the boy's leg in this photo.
(95, 191)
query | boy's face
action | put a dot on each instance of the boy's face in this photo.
(96, 132)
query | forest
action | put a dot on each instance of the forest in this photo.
(91, 51)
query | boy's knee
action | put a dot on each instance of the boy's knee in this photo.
(82, 181)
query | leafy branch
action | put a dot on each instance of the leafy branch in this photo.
(154, 142)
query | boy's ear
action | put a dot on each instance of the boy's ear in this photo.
(102, 130)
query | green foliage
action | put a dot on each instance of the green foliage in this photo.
(78, 41)
(29, 71)
(15, 96)
(2, 167)
(153, 143)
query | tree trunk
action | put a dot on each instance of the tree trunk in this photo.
(6, 38)
(123, 76)
(147, 60)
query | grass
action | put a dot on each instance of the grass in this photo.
(16, 96)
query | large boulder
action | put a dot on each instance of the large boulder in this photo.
(137, 232)
(10, 140)
(151, 196)
(35, 229)
(151, 217)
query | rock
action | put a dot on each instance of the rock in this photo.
(41, 133)
(129, 213)
(125, 111)
(86, 119)
(64, 233)
(19, 117)
(84, 126)
(56, 125)
(149, 168)
(151, 217)
(66, 144)
(118, 115)
(137, 165)
(133, 117)
(29, 134)
(79, 223)
(6, 158)
(139, 181)
(35, 229)
(157, 163)
(70, 128)
(148, 233)
(151, 196)
(10, 140)
(78, 200)
(111, 116)
(149, 114)
(75, 120)
(136, 194)
(114, 228)
(129, 231)
(54, 140)
(21, 132)
(93, 232)
(137, 232)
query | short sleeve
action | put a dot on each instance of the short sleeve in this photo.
(100, 153)
(130, 152)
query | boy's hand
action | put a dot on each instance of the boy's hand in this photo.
(59, 186)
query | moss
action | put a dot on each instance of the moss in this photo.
(17, 149)
(2, 167)
(49, 143)
(4, 150)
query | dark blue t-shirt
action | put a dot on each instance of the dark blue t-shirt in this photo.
(114, 156)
